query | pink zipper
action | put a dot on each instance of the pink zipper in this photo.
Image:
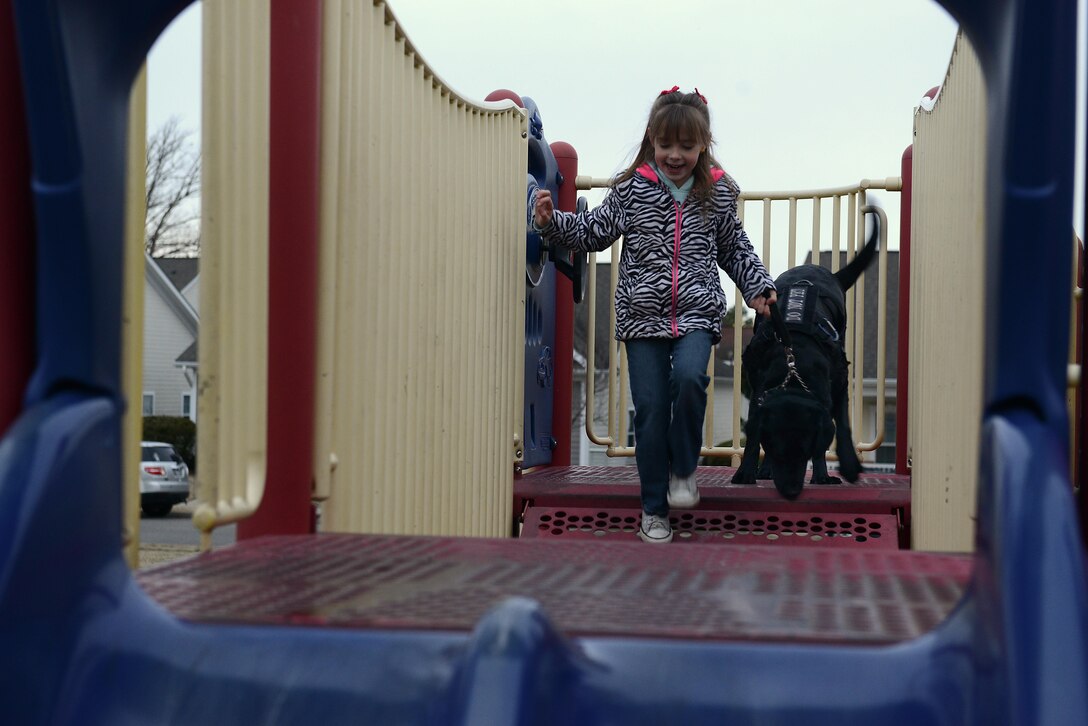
(676, 270)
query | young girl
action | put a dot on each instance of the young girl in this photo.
(677, 211)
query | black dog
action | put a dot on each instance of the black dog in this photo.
(799, 392)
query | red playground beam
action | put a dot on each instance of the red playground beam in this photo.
(16, 231)
(292, 270)
(567, 159)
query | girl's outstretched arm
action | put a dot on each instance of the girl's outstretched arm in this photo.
(590, 231)
(739, 259)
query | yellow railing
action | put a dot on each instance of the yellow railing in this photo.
(233, 340)
(829, 208)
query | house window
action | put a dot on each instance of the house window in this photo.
(149, 404)
(187, 405)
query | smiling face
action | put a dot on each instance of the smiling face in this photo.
(676, 158)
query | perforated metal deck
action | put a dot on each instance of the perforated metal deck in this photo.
(719, 527)
(594, 486)
(874, 497)
(856, 595)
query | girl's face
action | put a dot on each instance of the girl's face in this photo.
(676, 158)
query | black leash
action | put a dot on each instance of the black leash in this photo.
(783, 334)
(780, 328)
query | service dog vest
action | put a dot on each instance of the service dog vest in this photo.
(799, 303)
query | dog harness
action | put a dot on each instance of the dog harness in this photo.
(783, 335)
(796, 310)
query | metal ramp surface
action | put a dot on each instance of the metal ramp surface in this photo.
(742, 592)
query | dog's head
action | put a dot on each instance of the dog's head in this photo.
(794, 428)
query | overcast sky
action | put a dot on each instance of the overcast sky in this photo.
(802, 94)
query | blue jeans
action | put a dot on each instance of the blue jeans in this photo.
(668, 387)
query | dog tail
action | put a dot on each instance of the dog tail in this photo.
(848, 275)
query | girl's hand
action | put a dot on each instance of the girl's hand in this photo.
(542, 210)
(762, 303)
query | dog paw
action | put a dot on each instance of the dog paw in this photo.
(743, 476)
(851, 470)
(826, 480)
(849, 464)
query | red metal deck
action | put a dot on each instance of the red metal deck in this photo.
(602, 588)
(719, 527)
(595, 485)
(616, 487)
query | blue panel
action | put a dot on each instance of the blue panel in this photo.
(78, 60)
(539, 308)
(1030, 584)
(1032, 589)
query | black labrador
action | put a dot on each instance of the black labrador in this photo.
(799, 391)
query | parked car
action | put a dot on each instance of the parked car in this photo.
(164, 478)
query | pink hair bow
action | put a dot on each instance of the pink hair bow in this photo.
(674, 89)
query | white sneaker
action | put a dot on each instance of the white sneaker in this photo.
(683, 492)
(655, 529)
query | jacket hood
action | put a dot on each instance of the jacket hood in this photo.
(646, 171)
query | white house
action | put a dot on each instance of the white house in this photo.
(171, 322)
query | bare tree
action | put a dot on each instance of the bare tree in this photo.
(172, 219)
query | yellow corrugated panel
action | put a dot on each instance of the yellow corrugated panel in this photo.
(132, 317)
(419, 383)
(947, 315)
(233, 345)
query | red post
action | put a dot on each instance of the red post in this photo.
(292, 270)
(902, 442)
(17, 226)
(567, 158)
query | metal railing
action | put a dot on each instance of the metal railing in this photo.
(233, 341)
(825, 231)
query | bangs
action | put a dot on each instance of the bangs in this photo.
(680, 122)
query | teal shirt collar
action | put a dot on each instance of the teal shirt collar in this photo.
(679, 193)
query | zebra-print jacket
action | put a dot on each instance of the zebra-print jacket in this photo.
(668, 280)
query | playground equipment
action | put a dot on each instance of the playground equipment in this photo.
(449, 630)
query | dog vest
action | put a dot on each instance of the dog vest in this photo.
(799, 304)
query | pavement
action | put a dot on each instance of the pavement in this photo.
(157, 554)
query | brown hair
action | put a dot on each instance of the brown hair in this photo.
(676, 115)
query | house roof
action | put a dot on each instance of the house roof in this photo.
(188, 356)
(171, 295)
(179, 270)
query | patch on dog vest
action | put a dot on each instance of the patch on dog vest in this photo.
(800, 310)
(800, 304)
